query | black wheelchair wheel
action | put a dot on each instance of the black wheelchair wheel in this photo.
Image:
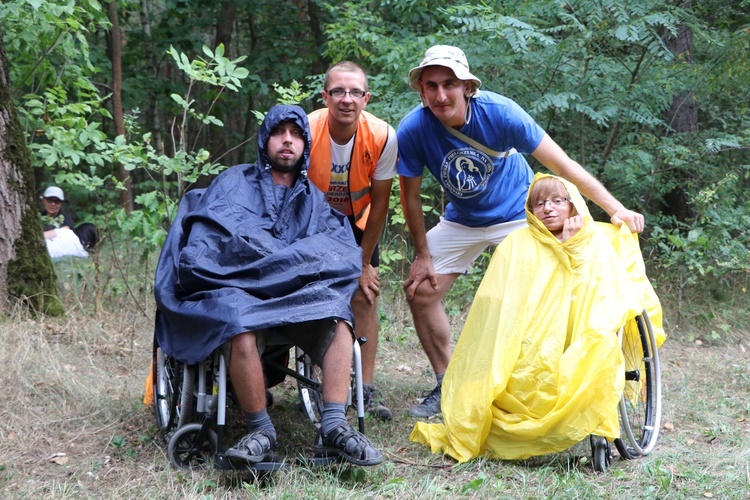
(640, 405)
(189, 448)
(601, 452)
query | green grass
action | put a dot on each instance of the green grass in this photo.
(72, 424)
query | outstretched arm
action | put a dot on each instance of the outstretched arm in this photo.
(552, 156)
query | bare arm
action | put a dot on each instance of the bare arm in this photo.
(553, 157)
(380, 193)
(421, 269)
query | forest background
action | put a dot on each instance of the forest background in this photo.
(126, 105)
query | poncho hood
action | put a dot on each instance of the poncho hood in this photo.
(277, 115)
(543, 234)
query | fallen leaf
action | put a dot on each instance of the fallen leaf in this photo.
(404, 368)
(690, 441)
(60, 460)
(669, 426)
(708, 494)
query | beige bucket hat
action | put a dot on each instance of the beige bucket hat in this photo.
(448, 56)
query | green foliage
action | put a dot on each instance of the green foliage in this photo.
(598, 75)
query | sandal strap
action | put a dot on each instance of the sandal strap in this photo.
(340, 437)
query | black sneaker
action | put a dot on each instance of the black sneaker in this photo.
(430, 405)
(374, 404)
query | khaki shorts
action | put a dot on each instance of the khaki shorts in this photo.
(454, 247)
(313, 337)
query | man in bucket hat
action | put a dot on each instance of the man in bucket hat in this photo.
(472, 142)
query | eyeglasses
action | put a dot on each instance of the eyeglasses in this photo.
(338, 93)
(555, 202)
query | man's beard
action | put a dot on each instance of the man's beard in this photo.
(285, 166)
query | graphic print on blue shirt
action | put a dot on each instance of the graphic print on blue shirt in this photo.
(465, 172)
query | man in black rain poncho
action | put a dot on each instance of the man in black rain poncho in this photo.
(257, 258)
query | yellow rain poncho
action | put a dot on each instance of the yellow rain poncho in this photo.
(538, 366)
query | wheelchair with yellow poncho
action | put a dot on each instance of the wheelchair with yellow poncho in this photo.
(560, 347)
(640, 404)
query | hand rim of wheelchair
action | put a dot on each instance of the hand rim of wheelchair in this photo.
(640, 423)
(311, 400)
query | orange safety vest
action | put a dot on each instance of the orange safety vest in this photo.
(372, 134)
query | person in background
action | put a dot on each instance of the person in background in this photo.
(53, 216)
(60, 237)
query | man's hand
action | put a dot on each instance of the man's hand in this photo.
(634, 220)
(421, 269)
(571, 227)
(369, 283)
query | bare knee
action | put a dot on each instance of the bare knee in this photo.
(360, 305)
(425, 296)
(244, 346)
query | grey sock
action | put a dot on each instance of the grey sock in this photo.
(333, 414)
(439, 377)
(258, 421)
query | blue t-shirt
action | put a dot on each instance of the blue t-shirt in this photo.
(482, 190)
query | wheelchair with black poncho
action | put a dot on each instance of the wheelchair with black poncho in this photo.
(560, 345)
(191, 402)
(240, 263)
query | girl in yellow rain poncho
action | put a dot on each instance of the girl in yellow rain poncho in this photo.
(538, 366)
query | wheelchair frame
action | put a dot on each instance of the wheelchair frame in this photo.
(640, 404)
(184, 394)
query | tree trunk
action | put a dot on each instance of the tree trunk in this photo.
(318, 65)
(115, 43)
(152, 114)
(682, 116)
(26, 272)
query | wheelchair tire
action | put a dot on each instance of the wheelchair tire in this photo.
(601, 452)
(186, 409)
(640, 405)
(311, 400)
(187, 450)
(167, 390)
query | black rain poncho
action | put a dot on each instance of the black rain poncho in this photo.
(234, 261)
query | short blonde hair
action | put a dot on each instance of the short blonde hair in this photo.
(545, 188)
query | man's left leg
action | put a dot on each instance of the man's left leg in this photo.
(336, 436)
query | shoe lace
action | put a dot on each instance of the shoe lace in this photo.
(431, 397)
(372, 396)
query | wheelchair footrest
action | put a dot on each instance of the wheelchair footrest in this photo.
(224, 463)
(314, 461)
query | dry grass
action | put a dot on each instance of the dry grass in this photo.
(72, 423)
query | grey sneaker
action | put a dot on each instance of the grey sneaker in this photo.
(374, 403)
(430, 405)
